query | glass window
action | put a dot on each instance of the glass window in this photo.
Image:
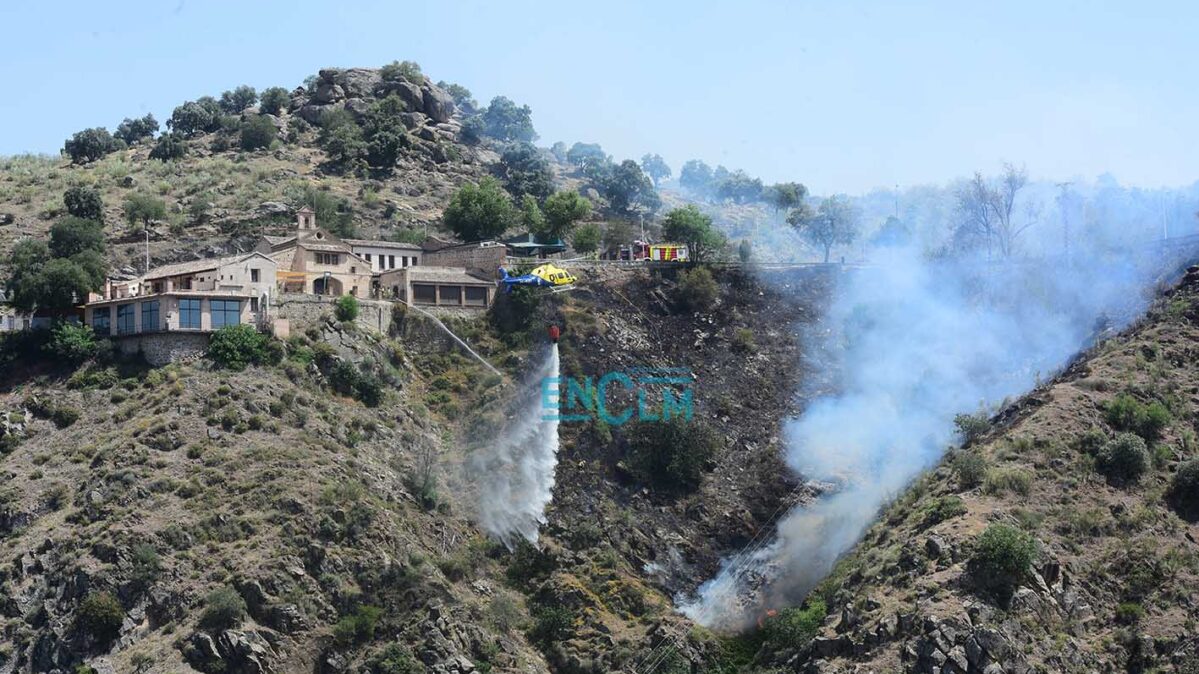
(189, 314)
(391, 261)
(476, 297)
(150, 316)
(125, 319)
(253, 276)
(225, 312)
(424, 294)
(102, 320)
(449, 294)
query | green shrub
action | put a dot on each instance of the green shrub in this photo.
(793, 627)
(1126, 413)
(1184, 490)
(970, 468)
(743, 340)
(346, 308)
(1007, 479)
(223, 609)
(84, 202)
(144, 208)
(1129, 613)
(71, 343)
(940, 509)
(169, 146)
(1124, 459)
(257, 133)
(64, 416)
(1002, 558)
(697, 289)
(972, 426)
(100, 615)
(274, 100)
(90, 144)
(359, 626)
(551, 625)
(402, 70)
(394, 659)
(671, 454)
(236, 346)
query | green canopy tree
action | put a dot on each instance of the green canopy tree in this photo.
(586, 238)
(233, 102)
(696, 176)
(505, 120)
(73, 235)
(833, 223)
(257, 133)
(628, 188)
(90, 144)
(131, 130)
(531, 217)
(562, 210)
(274, 100)
(480, 211)
(655, 167)
(786, 196)
(145, 208)
(691, 226)
(526, 171)
(84, 202)
(169, 146)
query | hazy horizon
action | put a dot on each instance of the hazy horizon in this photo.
(844, 99)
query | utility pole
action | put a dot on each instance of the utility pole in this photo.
(147, 230)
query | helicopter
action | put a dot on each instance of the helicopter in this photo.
(547, 276)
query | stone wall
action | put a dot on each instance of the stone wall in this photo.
(303, 311)
(470, 257)
(161, 348)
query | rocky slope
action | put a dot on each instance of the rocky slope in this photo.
(1113, 582)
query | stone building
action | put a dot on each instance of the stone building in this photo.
(386, 255)
(439, 287)
(317, 262)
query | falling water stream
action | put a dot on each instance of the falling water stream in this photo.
(517, 468)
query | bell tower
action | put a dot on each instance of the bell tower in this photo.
(305, 220)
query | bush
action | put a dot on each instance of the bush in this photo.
(1007, 479)
(132, 130)
(90, 144)
(794, 627)
(64, 416)
(1123, 459)
(346, 308)
(236, 346)
(84, 202)
(223, 609)
(970, 468)
(1184, 490)
(551, 625)
(357, 382)
(1129, 613)
(71, 343)
(941, 509)
(274, 100)
(257, 132)
(697, 289)
(743, 340)
(100, 615)
(586, 238)
(238, 99)
(168, 147)
(1002, 558)
(671, 454)
(402, 70)
(971, 426)
(195, 117)
(1126, 413)
(357, 627)
(394, 659)
(144, 208)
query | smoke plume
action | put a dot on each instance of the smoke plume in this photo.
(916, 339)
(516, 469)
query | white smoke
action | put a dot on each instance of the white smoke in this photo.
(917, 340)
(516, 469)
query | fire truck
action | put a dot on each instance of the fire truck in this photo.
(655, 252)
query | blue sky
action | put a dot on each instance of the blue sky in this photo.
(843, 96)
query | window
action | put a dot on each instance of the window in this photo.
(125, 322)
(332, 259)
(189, 314)
(185, 283)
(476, 297)
(225, 312)
(150, 316)
(391, 261)
(367, 257)
(424, 294)
(415, 262)
(101, 320)
(403, 260)
(449, 294)
(253, 276)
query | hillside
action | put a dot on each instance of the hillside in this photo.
(1085, 476)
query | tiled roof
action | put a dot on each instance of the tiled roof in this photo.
(424, 274)
(194, 266)
(382, 244)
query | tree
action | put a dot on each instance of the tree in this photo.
(531, 217)
(84, 202)
(89, 145)
(274, 100)
(132, 130)
(63, 283)
(696, 176)
(408, 71)
(655, 167)
(233, 102)
(786, 196)
(586, 238)
(893, 233)
(73, 235)
(697, 289)
(224, 609)
(71, 343)
(581, 154)
(38, 280)
(346, 308)
(688, 225)
(739, 187)
(833, 223)
(671, 454)
(985, 213)
(341, 139)
(169, 146)
(1002, 558)
(745, 251)
(236, 346)
(505, 120)
(145, 208)
(559, 150)
(479, 211)
(628, 188)
(618, 233)
(257, 132)
(193, 117)
(384, 132)
(526, 171)
(461, 95)
(562, 210)
(101, 616)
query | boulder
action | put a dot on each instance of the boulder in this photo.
(328, 92)
(413, 120)
(437, 104)
(358, 82)
(312, 113)
(7, 218)
(410, 94)
(356, 107)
